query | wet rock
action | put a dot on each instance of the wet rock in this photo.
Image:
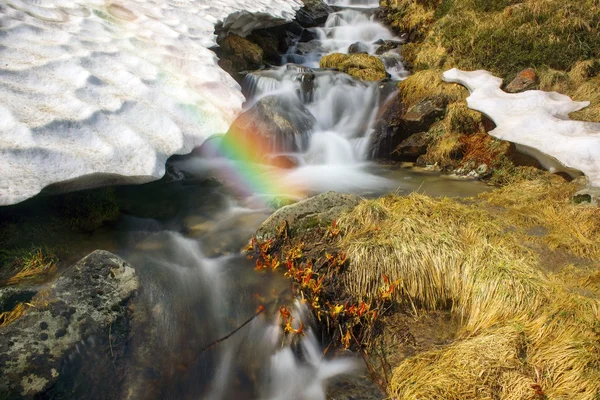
(314, 13)
(268, 41)
(358, 48)
(387, 45)
(360, 66)
(416, 145)
(525, 80)
(173, 174)
(239, 54)
(85, 307)
(313, 46)
(283, 161)
(273, 124)
(397, 123)
(309, 213)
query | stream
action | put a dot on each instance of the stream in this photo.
(184, 238)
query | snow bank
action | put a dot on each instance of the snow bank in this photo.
(537, 122)
(109, 90)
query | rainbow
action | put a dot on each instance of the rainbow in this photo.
(251, 169)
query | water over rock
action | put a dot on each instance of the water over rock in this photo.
(273, 124)
(43, 352)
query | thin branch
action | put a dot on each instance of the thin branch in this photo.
(216, 342)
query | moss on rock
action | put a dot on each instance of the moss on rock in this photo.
(360, 66)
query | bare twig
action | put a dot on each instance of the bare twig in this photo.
(216, 342)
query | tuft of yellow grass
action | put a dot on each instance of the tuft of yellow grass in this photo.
(525, 331)
(32, 265)
(429, 83)
(9, 317)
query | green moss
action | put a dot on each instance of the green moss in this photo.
(88, 210)
(360, 66)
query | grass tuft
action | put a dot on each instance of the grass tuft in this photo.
(526, 331)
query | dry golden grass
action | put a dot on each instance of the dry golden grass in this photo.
(484, 367)
(9, 317)
(429, 83)
(525, 332)
(33, 265)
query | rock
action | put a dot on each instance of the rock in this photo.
(525, 80)
(238, 54)
(314, 13)
(273, 124)
(397, 124)
(314, 46)
(360, 66)
(386, 45)
(587, 195)
(94, 124)
(268, 41)
(358, 48)
(411, 148)
(282, 161)
(84, 308)
(306, 214)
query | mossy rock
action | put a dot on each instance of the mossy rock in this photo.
(360, 66)
(239, 54)
(308, 214)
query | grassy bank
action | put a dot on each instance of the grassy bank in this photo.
(561, 40)
(517, 267)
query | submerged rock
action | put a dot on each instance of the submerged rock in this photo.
(84, 310)
(273, 124)
(308, 213)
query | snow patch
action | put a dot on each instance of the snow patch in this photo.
(110, 90)
(537, 122)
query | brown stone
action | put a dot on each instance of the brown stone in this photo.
(397, 123)
(525, 80)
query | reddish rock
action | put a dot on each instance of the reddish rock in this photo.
(525, 80)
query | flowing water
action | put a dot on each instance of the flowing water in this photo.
(184, 237)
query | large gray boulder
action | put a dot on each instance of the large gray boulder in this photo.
(85, 310)
(273, 124)
(315, 211)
